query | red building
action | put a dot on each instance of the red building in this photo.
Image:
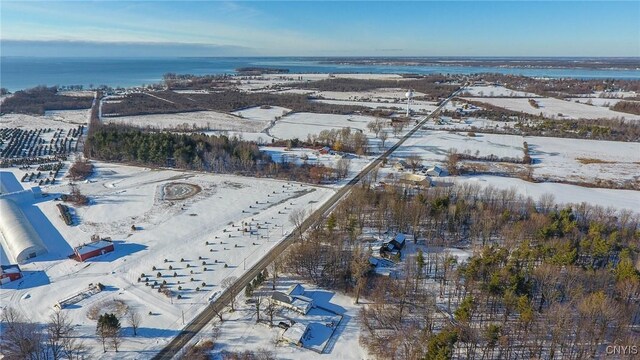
(9, 273)
(93, 249)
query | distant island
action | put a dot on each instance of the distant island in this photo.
(627, 63)
(252, 70)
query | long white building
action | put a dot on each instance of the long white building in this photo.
(20, 240)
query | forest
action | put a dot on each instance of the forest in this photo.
(218, 154)
(37, 100)
(162, 102)
(436, 87)
(544, 281)
(560, 87)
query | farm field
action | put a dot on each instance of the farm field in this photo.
(551, 108)
(574, 160)
(209, 120)
(123, 196)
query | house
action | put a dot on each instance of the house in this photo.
(93, 249)
(295, 289)
(9, 273)
(325, 150)
(295, 333)
(297, 303)
(436, 171)
(415, 180)
(398, 241)
(401, 165)
(392, 248)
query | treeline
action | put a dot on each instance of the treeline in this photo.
(194, 151)
(175, 81)
(162, 102)
(219, 154)
(37, 100)
(631, 107)
(544, 282)
(561, 87)
(434, 86)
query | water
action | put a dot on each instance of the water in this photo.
(21, 72)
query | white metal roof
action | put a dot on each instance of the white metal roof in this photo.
(94, 245)
(21, 241)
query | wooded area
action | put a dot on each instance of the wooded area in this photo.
(544, 282)
(163, 102)
(40, 99)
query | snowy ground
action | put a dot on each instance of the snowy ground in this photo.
(62, 119)
(494, 90)
(122, 196)
(210, 120)
(554, 158)
(240, 332)
(262, 114)
(416, 105)
(562, 193)
(550, 107)
(300, 125)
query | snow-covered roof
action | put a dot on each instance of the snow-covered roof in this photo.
(9, 269)
(295, 333)
(21, 241)
(281, 297)
(295, 289)
(92, 246)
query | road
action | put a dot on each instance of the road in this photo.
(202, 319)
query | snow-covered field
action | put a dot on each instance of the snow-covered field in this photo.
(554, 158)
(63, 119)
(210, 120)
(122, 196)
(299, 125)
(494, 90)
(416, 105)
(262, 114)
(550, 107)
(562, 193)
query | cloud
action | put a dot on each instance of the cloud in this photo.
(76, 48)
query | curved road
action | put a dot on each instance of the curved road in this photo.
(202, 319)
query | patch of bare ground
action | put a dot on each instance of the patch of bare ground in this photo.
(593, 161)
(179, 191)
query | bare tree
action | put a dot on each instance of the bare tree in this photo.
(270, 310)
(274, 271)
(360, 267)
(414, 161)
(452, 161)
(58, 328)
(20, 338)
(375, 126)
(342, 168)
(296, 218)
(227, 283)
(134, 319)
(383, 136)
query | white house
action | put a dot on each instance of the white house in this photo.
(436, 171)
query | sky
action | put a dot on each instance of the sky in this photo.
(308, 28)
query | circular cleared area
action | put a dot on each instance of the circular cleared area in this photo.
(179, 191)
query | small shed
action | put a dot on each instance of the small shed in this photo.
(93, 249)
(9, 273)
(401, 165)
(295, 333)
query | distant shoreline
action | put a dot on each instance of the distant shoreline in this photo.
(19, 73)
